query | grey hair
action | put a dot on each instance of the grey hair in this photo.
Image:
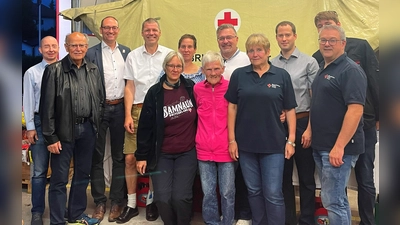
(171, 55)
(334, 27)
(212, 56)
(225, 26)
(85, 35)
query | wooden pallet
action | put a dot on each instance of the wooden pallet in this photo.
(26, 179)
(28, 183)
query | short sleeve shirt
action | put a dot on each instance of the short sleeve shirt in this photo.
(341, 83)
(260, 101)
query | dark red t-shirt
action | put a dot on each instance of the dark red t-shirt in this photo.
(179, 120)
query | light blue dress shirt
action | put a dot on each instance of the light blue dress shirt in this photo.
(31, 98)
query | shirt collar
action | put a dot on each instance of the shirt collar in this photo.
(295, 53)
(73, 63)
(233, 56)
(336, 61)
(43, 63)
(143, 50)
(207, 84)
(104, 45)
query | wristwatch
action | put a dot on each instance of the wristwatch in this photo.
(291, 143)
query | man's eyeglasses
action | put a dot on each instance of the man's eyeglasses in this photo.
(228, 38)
(77, 45)
(109, 28)
(330, 41)
(179, 67)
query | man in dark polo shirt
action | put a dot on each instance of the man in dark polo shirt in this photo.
(339, 93)
(361, 52)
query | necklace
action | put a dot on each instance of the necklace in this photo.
(174, 86)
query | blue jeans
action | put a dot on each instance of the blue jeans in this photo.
(263, 177)
(113, 119)
(81, 150)
(40, 157)
(365, 178)
(173, 186)
(224, 172)
(333, 184)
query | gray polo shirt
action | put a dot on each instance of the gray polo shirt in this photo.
(302, 69)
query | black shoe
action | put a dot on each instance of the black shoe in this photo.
(127, 214)
(151, 212)
(36, 219)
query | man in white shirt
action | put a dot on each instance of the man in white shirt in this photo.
(142, 69)
(110, 57)
(227, 42)
(234, 58)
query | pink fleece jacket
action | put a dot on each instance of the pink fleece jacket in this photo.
(212, 128)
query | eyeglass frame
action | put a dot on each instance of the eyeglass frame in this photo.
(324, 41)
(75, 46)
(228, 38)
(174, 66)
(110, 28)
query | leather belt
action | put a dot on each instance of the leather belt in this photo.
(302, 115)
(81, 120)
(114, 102)
(139, 105)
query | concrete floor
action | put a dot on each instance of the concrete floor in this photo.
(141, 218)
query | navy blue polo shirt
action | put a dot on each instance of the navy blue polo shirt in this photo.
(260, 101)
(341, 83)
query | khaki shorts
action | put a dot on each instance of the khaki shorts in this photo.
(130, 145)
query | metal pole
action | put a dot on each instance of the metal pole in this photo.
(39, 2)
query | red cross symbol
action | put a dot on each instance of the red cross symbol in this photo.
(228, 19)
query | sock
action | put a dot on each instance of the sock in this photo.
(132, 200)
(149, 198)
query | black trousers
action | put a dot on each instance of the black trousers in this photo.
(113, 120)
(242, 206)
(173, 186)
(305, 167)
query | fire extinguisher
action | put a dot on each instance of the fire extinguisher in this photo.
(321, 214)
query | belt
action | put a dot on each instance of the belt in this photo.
(302, 115)
(139, 105)
(81, 120)
(114, 102)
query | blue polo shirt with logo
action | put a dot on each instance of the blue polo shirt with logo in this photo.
(260, 101)
(341, 83)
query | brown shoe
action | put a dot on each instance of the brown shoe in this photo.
(115, 211)
(99, 211)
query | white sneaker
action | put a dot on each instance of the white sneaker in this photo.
(243, 222)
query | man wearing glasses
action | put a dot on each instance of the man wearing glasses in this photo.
(110, 57)
(142, 69)
(227, 42)
(71, 103)
(338, 99)
(361, 52)
(234, 58)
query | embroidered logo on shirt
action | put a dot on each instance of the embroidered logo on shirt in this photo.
(273, 86)
(329, 77)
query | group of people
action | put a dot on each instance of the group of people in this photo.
(240, 121)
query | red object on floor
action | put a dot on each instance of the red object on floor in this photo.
(321, 214)
(142, 190)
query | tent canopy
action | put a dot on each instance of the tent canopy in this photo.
(359, 19)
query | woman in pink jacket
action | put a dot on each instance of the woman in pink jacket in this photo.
(215, 163)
